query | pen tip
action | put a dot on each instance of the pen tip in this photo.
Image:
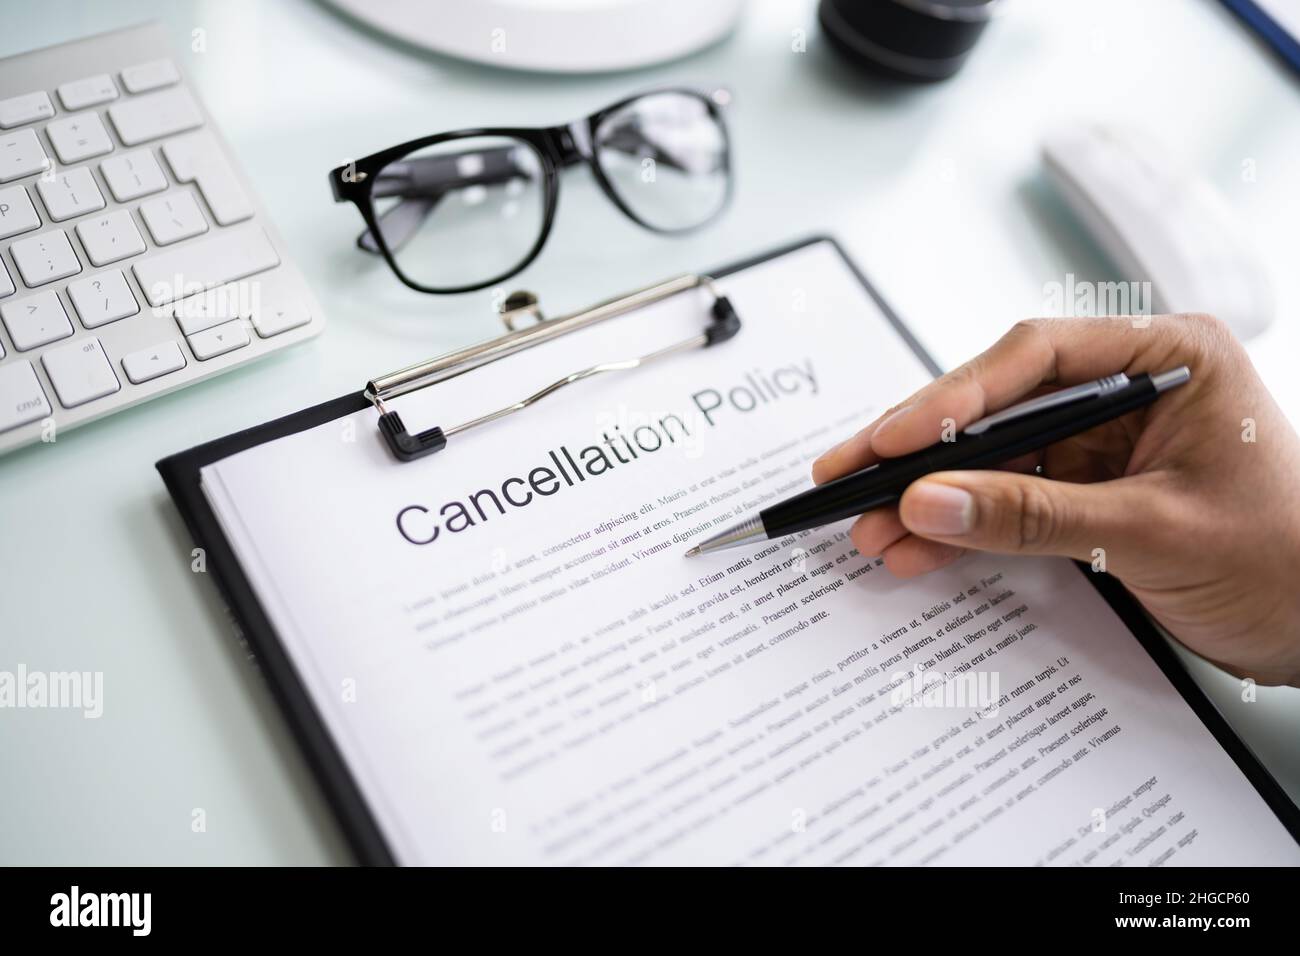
(691, 553)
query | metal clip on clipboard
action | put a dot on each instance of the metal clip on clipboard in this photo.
(723, 324)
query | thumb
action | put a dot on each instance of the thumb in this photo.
(1014, 513)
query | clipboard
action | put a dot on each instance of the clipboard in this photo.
(181, 474)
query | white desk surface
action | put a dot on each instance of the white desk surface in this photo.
(936, 191)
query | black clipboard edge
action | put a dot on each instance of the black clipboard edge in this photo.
(1136, 620)
(181, 475)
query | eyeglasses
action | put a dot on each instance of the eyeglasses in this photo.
(461, 211)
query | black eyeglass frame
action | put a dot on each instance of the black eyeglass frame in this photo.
(555, 147)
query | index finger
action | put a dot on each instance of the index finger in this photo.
(1033, 353)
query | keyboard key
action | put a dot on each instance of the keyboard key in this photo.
(150, 363)
(35, 320)
(147, 117)
(45, 257)
(79, 137)
(276, 317)
(132, 175)
(80, 372)
(150, 76)
(196, 158)
(91, 91)
(87, 92)
(233, 254)
(17, 214)
(109, 238)
(6, 285)
(20, 155)
(203, 311)
(173, 217)
(22, 399)
(102, 298)
(219, 340)
(27, 108)
(70, 194)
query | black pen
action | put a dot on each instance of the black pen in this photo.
(993, 440)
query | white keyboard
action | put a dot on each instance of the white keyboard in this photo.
(134, 256)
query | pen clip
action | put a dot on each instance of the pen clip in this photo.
(1066, 396)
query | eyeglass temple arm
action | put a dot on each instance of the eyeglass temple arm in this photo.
(437, 175)
(420, 184)
(630, 141)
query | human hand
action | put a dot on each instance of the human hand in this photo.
(1195, 500)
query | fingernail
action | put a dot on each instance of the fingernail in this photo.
(892, 418)
(936, 508)
(822, 460)
(827, 453)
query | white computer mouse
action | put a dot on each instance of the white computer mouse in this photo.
(1161, 223)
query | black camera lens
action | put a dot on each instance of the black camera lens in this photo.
(920, 40)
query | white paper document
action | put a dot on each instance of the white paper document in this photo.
(520, 667)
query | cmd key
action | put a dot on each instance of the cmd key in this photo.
(22, 399)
